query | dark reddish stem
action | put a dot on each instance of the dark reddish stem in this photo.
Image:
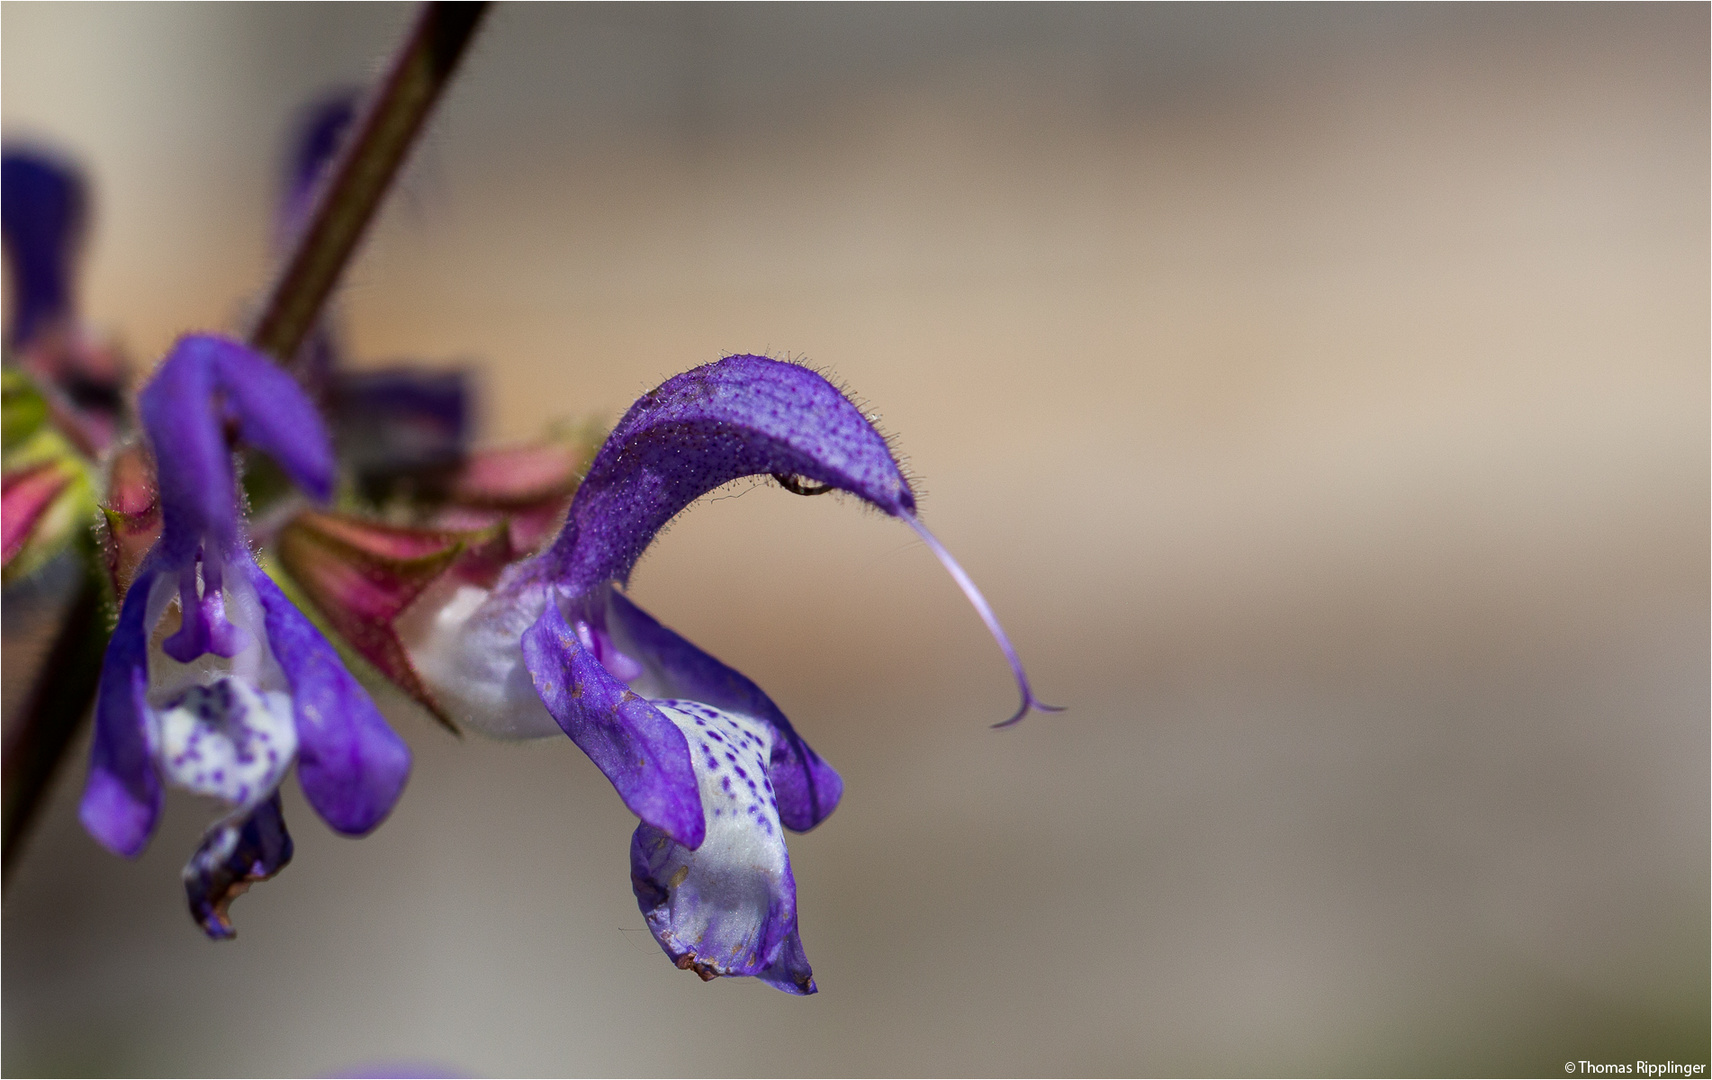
(363, 173)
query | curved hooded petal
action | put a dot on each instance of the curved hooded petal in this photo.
(198, 493)
(274, 415)
(122, 797)
(233, 856)
(728, 907)
(741, 416)
(808, 789)
(641, 751)
(351, 764)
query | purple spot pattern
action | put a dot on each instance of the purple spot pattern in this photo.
(727, 907)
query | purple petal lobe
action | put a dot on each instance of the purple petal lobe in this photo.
(199, 498)
(277, 417)
(234, 856)
(122, 797)
(351, 764)
(742, 416)
(730, 906)
(639, 749)
(807, 788)
(192, 464)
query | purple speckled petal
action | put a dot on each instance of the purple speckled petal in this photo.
(742, 416)
(628, 739)
(122, 797)
(351, 764)
(234, 856)
(730, 906)
(808, 789)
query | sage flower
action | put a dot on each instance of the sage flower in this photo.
(245, 686)
(696, 750)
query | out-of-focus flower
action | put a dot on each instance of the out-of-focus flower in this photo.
(693, 747)
(43, 214)
(245, 685)
(42, 210)
(401, 430)
(63, 390)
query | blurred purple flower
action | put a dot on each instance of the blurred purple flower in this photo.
(693, 747)
(43, 215)
(42, 209)
(246, 685)
(404, 428)
(316, 138)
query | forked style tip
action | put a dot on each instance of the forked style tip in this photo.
(979, 602)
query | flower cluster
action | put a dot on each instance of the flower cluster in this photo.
(491, 590)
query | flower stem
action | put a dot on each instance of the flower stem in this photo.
(51, 716)
(362, 175)
(65, 685)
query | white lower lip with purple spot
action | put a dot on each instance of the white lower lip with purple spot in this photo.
(723, 894)
(227, 739)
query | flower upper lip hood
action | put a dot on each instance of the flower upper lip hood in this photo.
(742, 416)
(246, 685)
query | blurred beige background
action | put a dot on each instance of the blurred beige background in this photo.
(1320, 395)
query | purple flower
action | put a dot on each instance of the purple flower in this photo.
(42, 211)
(245, 686)
(694, 748)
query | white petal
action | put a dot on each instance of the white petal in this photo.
(466, 644)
